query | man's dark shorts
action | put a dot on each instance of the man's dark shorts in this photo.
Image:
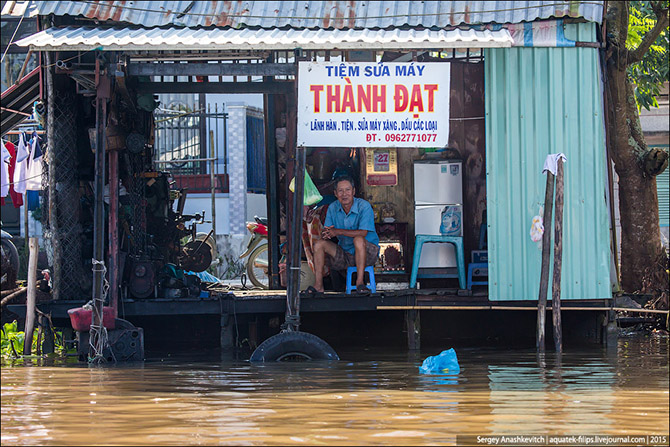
(344, 259)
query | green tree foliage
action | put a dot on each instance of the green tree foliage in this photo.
(651, 72)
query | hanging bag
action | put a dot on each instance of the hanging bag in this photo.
(311, 194)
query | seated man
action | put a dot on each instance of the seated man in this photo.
(352, 221)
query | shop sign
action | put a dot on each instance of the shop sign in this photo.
(368, 104)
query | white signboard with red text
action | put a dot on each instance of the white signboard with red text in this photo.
(369, 104)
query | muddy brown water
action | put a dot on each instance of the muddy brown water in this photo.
(371, 397)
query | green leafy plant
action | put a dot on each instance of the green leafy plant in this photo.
(11, 342)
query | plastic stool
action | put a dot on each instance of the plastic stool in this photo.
(477, 269)
(456, 241)
(350, 274)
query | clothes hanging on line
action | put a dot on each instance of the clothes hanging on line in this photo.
(33, 200)
(34, 172)
(21, 167)
(17, 199)
(4, 173)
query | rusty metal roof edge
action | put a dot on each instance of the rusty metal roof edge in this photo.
(314, 14)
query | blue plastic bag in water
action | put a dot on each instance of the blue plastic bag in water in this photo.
(446, 363)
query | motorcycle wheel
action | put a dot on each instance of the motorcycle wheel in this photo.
(257, 267)
(10, 253)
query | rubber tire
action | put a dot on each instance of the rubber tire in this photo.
(251, 274)
(9, 250)
(293, 344)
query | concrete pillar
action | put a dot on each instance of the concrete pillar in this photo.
(237, 169)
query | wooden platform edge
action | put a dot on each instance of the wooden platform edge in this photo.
(618, 309)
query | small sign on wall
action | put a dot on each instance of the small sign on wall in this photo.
(381, 167)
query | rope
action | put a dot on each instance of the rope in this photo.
(21, 181)
(292, 321)
(99, 340)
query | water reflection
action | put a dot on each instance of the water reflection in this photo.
(369, 398)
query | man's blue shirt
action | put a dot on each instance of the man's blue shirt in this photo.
(360, 217)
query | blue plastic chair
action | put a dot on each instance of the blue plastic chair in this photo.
(477, 269)
(350, 274)
(456, 241)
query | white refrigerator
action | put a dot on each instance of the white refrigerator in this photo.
(438, 196)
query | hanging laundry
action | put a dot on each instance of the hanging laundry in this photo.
(19, 177)
(34, 172)
(32, 200)
(17, 199)
(4, 173)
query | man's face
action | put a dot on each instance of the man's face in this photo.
(345, 193)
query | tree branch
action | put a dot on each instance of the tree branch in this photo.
(650, 37)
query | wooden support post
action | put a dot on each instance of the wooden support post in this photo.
(113, 230)
(30, 299)
(272, 180)
(23, 67)
(558, 252)
(52, 200)
(26, 223)
(413, 324)
(227, 341)
(546, 252)
(295, 219)
(97, 340)
(48, 344)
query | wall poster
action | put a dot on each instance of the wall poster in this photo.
(381, 167)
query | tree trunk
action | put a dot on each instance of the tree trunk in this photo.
(638, 201)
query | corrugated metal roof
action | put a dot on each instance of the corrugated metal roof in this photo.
(541, 101)
(136, 39)
(311, 14)
(19, 97)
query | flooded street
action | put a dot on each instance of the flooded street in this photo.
(368, 398)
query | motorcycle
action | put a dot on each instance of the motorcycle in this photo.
(257, 251)
(258, 265)
(10, 256)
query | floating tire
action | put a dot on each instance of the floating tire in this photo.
(293, 346)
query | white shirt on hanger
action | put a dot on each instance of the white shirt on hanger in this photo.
(34, 171)
(21, 167)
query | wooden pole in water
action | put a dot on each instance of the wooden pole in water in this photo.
(30, 299)
(102, 94)
(546, 252)
(52, 201)
(295, 223)
(558, 252)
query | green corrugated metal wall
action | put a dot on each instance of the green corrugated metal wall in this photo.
(663, 190)
(541, 101)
